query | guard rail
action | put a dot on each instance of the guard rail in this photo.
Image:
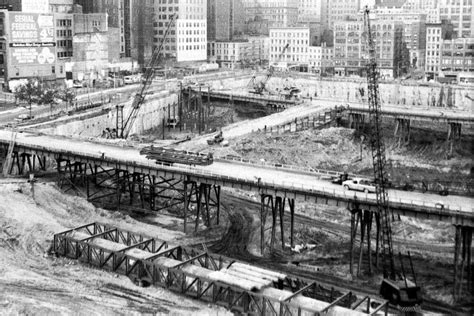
(432, 208)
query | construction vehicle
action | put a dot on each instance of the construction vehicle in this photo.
(217, 139)
(257, 87)
(402, 293)
(125, 126)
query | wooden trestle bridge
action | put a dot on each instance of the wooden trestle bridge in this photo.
(119, 176)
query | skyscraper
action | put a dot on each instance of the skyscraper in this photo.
(225, 19)
(187, 39)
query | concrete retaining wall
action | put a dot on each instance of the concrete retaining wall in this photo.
(390, 93)
(150, 116)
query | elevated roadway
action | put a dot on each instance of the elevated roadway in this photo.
(429, 114)
(453, 209)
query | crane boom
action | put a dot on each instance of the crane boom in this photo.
(260, 86)
(402, 293)
(139, 98)
(378, 151)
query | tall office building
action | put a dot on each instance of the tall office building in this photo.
(187, 39)
(341, 10)
(309, 10)
(225, 19)
(261, 15)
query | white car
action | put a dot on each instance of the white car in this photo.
(359, 184)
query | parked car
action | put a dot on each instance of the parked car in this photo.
(128, 80)
(24, 117)
(359, 184)
(340, 179)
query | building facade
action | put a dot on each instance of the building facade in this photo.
(457, 55)
(414, 30)
(238, 54)
(225, 19)
(296, 55)
(342, 10)
(461, 15)
(350, 51)
(90, 48)
(320, 59)
(309, 11)
(187, 39)
(64, 35)
(436, 33)
(119, 14)
(261, 15)
(63, 6)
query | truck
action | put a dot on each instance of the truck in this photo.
(359, 184)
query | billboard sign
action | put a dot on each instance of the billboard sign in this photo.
(32, 38)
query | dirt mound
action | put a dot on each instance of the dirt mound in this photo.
(33, 282)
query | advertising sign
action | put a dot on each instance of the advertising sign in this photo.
(32, 38)
(35, 6)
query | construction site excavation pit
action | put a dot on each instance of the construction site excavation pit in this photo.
(257, 135)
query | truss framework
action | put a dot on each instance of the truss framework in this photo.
(191, 272)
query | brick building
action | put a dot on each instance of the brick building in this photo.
(350, 51)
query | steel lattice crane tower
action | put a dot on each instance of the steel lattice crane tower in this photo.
(126, 126)
(399, 291)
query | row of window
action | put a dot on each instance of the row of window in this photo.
(293, 42)
(64, 43)
(64, 22)
(64, 54)
(168, 1)
(289, 34)
(457, 61)
(63, 33)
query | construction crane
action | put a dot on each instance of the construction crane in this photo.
(395, 287)
(258, 87)
(11, 145)
(125, 126)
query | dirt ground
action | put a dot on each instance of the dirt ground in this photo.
(322, 234)
(343, 149)
(34, 282)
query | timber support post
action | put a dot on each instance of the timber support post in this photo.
(402, 131)
(463, 268)
(275, 205)
(454, 135)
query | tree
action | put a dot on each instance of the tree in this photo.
(49, 96)
(29, 92)
(68, 95)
